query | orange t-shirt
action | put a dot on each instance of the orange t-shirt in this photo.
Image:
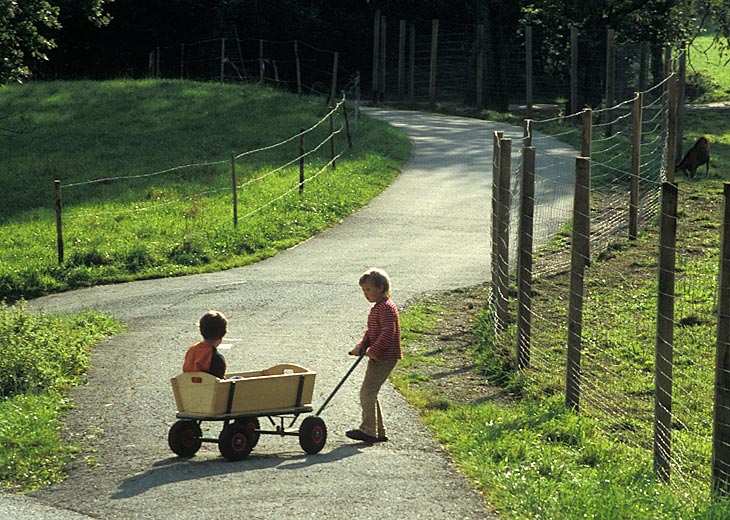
(204, 357)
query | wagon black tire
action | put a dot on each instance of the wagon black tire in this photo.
(184, 438)
(234, 442)
(252, 424)
(312, 434)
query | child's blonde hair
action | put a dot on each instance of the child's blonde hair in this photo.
(213, 325)
(378, 278)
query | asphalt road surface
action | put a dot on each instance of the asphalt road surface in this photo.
(430, 230)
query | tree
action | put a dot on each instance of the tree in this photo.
(28, 27)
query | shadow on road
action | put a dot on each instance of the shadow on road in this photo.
(176, 469)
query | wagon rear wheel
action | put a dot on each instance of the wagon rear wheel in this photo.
(234, 442)
(312, 434)
(184, 438)
(252, 424)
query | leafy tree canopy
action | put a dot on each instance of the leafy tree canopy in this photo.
(27, 29)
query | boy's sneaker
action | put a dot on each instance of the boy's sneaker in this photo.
(361, 436)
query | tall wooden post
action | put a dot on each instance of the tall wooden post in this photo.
(59, 225)
(580, 251)
(412, 64)
(681, 84)
(301, 161)
(332, 140)
(347, 121)
(587, 132)
(223, 60)
(182, 61)
(528, 70)
(262, 64)
(635, 167)
(480, 67)
(503, 207)
(376, 56)
(401, 60)
(524, 258)
(721, 415)
(234, 183)
(298, 66)
(672, 127)
(333, 87)
(434, 61)
(574, 70)
(497, 139)
(664, 351)
(382, 54)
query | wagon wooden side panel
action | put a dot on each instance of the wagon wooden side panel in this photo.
(281, 387)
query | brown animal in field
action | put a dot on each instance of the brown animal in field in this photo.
(698, 155)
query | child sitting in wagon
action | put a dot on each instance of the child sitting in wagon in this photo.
(204, 355)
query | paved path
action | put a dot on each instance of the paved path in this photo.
(430, 230)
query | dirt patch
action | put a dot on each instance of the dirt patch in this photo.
(444, 357)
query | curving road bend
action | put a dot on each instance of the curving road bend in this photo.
(430, 230)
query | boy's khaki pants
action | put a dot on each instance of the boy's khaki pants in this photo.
(376, 374)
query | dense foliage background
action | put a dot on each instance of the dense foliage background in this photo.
(65, 39)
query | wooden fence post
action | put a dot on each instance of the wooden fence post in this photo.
(580, 251)
(401, 60)
(672, 127)
(574, 71)
(59, 226)
(301, 161)
(223, 60)
(497, 138)
(663, 355)
(528, 70)
(503, 207)
(434, 61)
(681, 87)
(587, 133)
(383, 55)
(635, 166)
(524, 258)
(376, 56)
(347, 121)
(182, 61)
(234, 183)
(332, 139)
(412, 64)
(721, 415)
(298, 67)
(262, 66)
(610, 79)
(480, 67)
(333, 88)
(527, 133)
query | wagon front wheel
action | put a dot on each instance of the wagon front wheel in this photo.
(184, 438)
(312, 435)
(234, 442)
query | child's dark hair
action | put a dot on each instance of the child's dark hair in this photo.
(378, 278)
(213, 325)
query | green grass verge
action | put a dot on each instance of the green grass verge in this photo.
(41, 357)
(181, 222)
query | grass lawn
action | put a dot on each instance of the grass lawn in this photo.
(146, 180)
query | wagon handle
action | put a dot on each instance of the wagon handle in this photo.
(352, 368)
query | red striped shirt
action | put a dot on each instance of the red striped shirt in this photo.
(383, 335)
